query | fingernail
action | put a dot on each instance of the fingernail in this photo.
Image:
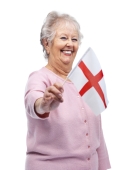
(61, 90)
(60, 95)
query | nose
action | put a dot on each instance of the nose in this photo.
(69, 42)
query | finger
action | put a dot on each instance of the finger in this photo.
(55, 92)
(59, 87)
(53, 97)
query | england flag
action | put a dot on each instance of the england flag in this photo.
(88, 78)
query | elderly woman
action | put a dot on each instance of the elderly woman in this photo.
(63, 132)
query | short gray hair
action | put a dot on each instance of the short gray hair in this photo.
(52, 20)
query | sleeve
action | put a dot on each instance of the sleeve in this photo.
(35, 89)
(103, 157)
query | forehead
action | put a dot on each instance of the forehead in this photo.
(66, 28)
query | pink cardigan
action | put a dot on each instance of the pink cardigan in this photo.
(71, 138)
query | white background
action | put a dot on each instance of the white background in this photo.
(111, 28)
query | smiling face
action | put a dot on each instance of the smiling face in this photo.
(63, 49)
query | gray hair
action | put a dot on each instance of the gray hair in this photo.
(53, 20)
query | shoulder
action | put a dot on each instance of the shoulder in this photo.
(42, 76)
(38, 72)
(39, 75)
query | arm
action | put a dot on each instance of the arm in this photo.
(103, 156)
(41, 96)
(50, 100)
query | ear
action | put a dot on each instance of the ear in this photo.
(46, 45)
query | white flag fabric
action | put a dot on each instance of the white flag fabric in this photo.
(88, 78)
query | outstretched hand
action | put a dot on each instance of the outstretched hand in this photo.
(51, 99)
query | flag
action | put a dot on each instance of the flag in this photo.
(88, 78)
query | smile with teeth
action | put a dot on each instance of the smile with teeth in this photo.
(67, 52)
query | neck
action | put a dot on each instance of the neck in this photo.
(62, 72)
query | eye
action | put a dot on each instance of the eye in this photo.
(63, 38)
(74, 39)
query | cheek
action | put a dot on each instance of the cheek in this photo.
(76, 48)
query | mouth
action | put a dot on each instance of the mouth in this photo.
(67, 51)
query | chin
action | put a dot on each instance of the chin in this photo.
(68, 62)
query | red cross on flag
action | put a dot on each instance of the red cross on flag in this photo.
(89, 81)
